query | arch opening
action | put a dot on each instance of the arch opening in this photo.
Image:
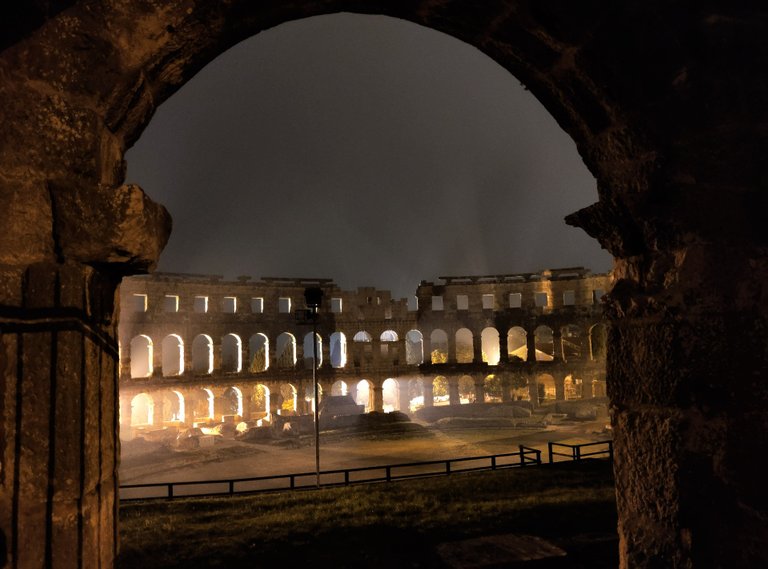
(364, 394)
(231, 354)
(338, 350)
(438, 339)
(465, 349)
(202, 355)
(490, 343)
(173, 355)
(414, 347)
(258, 346)
(141, 356)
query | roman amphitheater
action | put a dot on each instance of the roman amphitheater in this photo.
(665, 102)
(198, 349)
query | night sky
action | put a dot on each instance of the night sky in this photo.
(364, 149)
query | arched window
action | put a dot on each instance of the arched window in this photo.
(414, 348)
(440, 394)
(288, 399)
(142, 410)
(261, 396)
(493, 390)
(179, 412)
(339, 387)
(141, 356)
(571, 338)
(338, 350)
(173, 355)
(169, 407)
(546, 387)
(465, 350)
(308, 350)
(439, 341)
(363, 394)
(234, 398)
(258, 345)
(545, 347)
(231, 354)
(415, 395)
(285, 350)
(573, 387)
(466, 390)
(202, 355)
(388, 336)
(390, 395)
(362, 336)
(490, 344)
(208, 406)
(517, 343)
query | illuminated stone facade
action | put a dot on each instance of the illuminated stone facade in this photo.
(195, 348)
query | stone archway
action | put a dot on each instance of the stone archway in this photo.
(665, 104)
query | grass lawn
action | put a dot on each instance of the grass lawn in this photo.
(379, 525)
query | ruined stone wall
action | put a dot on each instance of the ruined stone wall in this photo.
(187, 307)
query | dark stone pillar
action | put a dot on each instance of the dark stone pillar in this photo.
(404, 400)
(426, 346)
(247, 402)
(429, 395)
(533, 391)
(688, 380)
(452, 347)
(188, 360)
(378, 396)
(506, 387)
(530, 344)
(453, 391)
(559, 386)
(479, 382)
(477, 348)
(59, 416)
(503, 347)
(557, 345)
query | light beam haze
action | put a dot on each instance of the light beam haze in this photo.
(365, 149)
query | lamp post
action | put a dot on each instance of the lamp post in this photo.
(313, 297)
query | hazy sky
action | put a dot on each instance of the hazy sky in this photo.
(364, 149)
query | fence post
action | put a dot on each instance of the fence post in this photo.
(389, 474)
(493, 462)
(346, 477)
(170, 489)
(231, 487)
(549, 446)
(610, 451)
(577, 452)
(447, 467)
(538, 457)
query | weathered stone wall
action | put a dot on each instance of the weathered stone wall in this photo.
(147, 312)
(58, 397)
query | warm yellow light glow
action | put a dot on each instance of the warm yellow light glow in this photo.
(391, 395)
(210, 402)
(181, 415)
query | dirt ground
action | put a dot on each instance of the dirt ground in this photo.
(145, 461)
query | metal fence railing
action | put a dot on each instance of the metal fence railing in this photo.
(576, 451)
(524, 456)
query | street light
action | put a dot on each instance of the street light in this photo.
(313, 297)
